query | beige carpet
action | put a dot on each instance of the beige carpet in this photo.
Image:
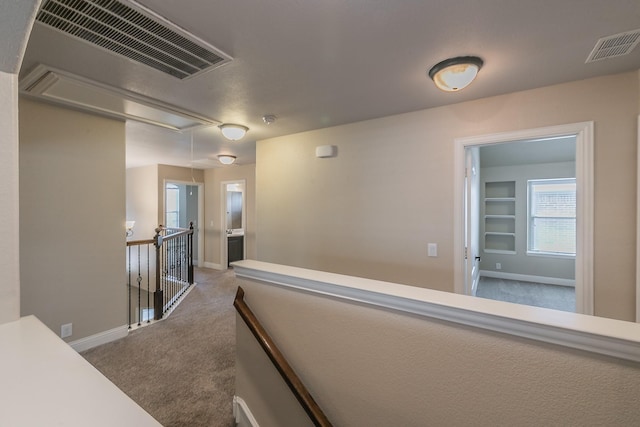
(182, 369)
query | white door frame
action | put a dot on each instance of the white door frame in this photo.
(199, 225)
(224, 256)
(584, 202)
(638, 232)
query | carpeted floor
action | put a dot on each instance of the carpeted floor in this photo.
(536, 294)
(182, 369)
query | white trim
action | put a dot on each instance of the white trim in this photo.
(100, 338)
(224, 256)
(584, 179)
(638, 230)
(200, 225)
(589, 333)
(213, 266)
(242, 413)
(528, 278)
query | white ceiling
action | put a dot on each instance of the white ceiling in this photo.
(323, 63)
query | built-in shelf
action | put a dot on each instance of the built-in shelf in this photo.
(500, 217)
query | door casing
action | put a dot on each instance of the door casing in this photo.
(584, 180)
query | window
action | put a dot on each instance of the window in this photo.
(173, 206)
(552, 217)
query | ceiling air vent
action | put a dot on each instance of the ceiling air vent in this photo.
(61, 87)
(616, 45)
(135, 32)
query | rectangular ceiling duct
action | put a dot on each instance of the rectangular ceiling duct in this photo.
(131, 30)
(615, 45)
(60, 87)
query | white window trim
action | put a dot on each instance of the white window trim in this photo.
(546, 254)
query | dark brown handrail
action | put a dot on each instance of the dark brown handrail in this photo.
(140, 242)
(280, 362)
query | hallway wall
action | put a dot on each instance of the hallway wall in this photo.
(372, 210)
(72, 214)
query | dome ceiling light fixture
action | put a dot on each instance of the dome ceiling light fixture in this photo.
(454, 74)
(226, 159)
(232, 131)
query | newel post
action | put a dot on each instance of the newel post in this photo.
(190, 251)
(157, 295)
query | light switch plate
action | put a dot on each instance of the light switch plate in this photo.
(432, 249)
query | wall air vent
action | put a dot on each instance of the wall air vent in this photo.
(60, 87)
(135, 32)
(616, 45)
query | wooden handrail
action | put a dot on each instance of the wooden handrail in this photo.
(140, 242)
(280, 362)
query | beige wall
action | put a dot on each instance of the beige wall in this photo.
(373, 367)
(213, 208)
(174, 174)
(9, 223)
(145, 194)
(72, 213)
(142, 200)
(372, 210)
(16, 22)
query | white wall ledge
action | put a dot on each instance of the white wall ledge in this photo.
(594, 334)
(46, 383)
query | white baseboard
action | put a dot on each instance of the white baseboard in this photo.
(244, 417)
(100, 338)
(528, 278)
(214, 266)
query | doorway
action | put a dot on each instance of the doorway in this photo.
(183, 204)
(505, 235)
(233, 214)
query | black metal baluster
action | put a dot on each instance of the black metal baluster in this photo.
(190, 255)
(139, 290)
(148, 290)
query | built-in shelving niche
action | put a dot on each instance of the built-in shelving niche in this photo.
(500, 217)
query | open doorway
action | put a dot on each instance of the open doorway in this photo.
(527, 222)
(517, 251)
(183, 204)
(233, 221)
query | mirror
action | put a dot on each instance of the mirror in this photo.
(234, 209)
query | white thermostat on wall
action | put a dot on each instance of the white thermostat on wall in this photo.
(326, 151)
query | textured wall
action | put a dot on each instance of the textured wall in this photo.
(373, 367)
(372, 210)
(142, 200)
(72, 213)
(9, 224)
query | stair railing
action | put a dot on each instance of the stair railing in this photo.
(138, 265)
(167, 261)
(174, 266)
(287, 373)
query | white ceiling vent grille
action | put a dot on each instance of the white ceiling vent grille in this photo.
(135, 32)
(64, 88)
(616, 45)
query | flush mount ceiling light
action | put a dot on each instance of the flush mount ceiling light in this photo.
(233, 132)
(226, 159)
(454, 74)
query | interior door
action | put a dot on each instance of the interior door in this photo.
(472, 219)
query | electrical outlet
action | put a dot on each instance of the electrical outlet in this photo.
(498, 266)
(66, 330)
